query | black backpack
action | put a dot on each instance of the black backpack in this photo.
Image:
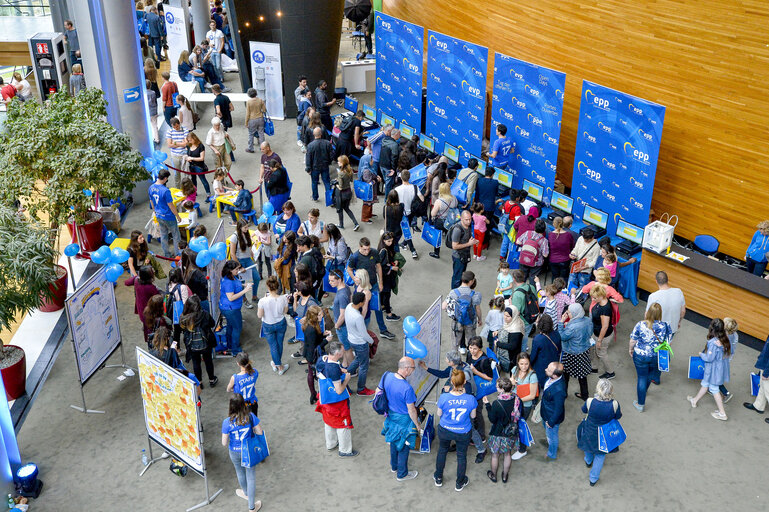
(449, 233)
(418, 206)
(530, 305)
(196, 340)
(347, 123)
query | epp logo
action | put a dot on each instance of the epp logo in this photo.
(534, 92)
(608, 196)
(408, 29)
(451, 100)
(549, 165)
(520, 131)
(441, 45)
(469, 50)
(537, 177)
(473, 135)
(474, 117)
(390, 47)
(453, 130)
(494, 97)
(610, 165)
(559, 94)
(630, 150)
(435, 78)
(414, 49)
(604, 127)
(506, 115)
(617, 219)
(518, 103)
(413, 92)
(534, 120)
(636, 183)
(170, 18)
(398, 105)
(258, 56)
(395, 77)
(589, 137)
(385, 86)
(596, 100)
(590, 173)
(411, 67)
(477, 73)
(387, 25)
(475, 92)
(438, 110)
(445, 68)
(635, 203)
(517, 76)
(523, 160)
(635, 109)
(647, 136)
(548, 138)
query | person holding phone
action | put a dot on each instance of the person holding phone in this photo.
(231, 302)
(272, 309)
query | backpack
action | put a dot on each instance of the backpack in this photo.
(469, 379)
(530, 306)
(196, 340)
(449, 233)
(380, 403)
(346, 124)
(418, 206)
(172, 307)
(511, 429)
(504, 358)
(464, 311)
(529, 252)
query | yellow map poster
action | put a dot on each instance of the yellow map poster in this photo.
(170, 409)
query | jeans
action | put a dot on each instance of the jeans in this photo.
(255, 127)
(399, 460)
(596, 459)
(389, 181)
(169, 227)
(458, 269)
(552, 440)
(445, 437)
(360, 364)
(233, 213)
(578, 280)
(341, 333)
(409, 244)
(234, 326)
(202, 178)
(275, 334)
(506, 243)
(647, 370)
(157, 43)
(246, 478)
(379, 319)
(560, 269)
(168, 113)
(322, 174)
(755, 267)
(199, 79)
(245, 263)
(531, 272)
(299, 133)
(216, 60)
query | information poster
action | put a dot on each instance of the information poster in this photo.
(430, 335)
(456, 93)
(170, 409)
(528, 100)
(176, 33)
(267, 76)
(615, 158)
(93, 323)
(214, 270)
(399, 63)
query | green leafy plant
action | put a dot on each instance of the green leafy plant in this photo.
(51, 152)
(25, 270)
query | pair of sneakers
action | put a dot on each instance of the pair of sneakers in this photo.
(275, 368)
(458, 487)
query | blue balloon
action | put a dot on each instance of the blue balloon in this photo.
(101, 255)
(272, 219)
(88, 192)
(411, 326)
(109, 237)
(159, 156)
(415, 349)
(268, 209)
(71, 250)
(262, 218)
(148, 163)
(199, 243)
(119, 255)
(203, 258)
(219, 251)
(114, 271)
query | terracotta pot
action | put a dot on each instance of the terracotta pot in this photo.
(89, 235)
(15, 375)
(59, 288)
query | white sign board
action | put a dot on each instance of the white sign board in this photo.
(177, 35)
(215, 273)
(430, 335)
(267, 76)
(93, 322)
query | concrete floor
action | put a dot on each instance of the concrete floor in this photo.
(675, 458)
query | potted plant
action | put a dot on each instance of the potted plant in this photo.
(53, 156)
(26, 275)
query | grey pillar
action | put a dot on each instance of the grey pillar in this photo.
(201, 15)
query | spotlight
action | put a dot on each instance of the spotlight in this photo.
(27, 482)
(248, 24)
(261, 18)
(279, 13)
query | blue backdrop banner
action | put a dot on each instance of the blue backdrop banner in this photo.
(399, 56)
(528, 100)
(615, 158)
(456, 93)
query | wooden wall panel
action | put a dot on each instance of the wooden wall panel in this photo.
(706, 61)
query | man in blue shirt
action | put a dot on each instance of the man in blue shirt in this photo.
(165, 212)
(341, 300)
(501, 149)
(157, 27)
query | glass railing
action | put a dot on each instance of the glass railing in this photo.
(25, 8)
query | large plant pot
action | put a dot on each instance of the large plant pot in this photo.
(89, 235)
(59, 289)
(15, 374)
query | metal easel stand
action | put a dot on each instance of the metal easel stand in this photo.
(85, 409)
(132, 371)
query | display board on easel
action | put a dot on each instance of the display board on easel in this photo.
(430, 334)
(214, 270)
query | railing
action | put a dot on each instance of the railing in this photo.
(25, 8)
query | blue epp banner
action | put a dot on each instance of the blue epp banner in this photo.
(399, 57)
(615, 158)
(528, 100)
(456, 93)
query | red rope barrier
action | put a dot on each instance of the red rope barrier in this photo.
(209, 172)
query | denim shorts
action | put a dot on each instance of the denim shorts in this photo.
(713, 388)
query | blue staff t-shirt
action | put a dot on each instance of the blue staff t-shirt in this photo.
(399, 394)
(245, 385)
(160, 196)
(232, 286)
(456, 411)
(502, 146)
(237, 432)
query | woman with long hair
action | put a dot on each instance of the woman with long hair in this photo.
(185, 113)
(195, 277)
(239, 425)
(314, 122)
(231, 302)
(456, 410)
(338, 251)
(284, 263)
(196, 157)
(314, 337)
(151, 74)
(442, 204)
(163, 349)
(526, 384)
(343, 191)
(144, 290)
(272, 311)
(154, 318)
(718, 349)
(244, 382)
(138, 256)
(241, 251)
(389, 265)
(187, 73)
(197, 326)
(647, 336)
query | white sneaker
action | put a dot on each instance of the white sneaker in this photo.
(274, 368)
(284, 370)
(717, 415)
(519, 455)
(241, 494)
(481, 258)
(249, 305)
(409, 476)
(299, 143)
(462, 350)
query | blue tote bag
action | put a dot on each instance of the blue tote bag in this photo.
(373, 303)
(330, 197)
(610, 436)
(406, 228)
(755, 381)
(429, 435)
(363, 191)
(524, 433)
(696, 368)
(300, 333)
(487, 387)
(459, 190)
(253, 449)
(431, 235)
(328, 394)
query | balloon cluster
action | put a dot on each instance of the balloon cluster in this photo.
(103, 255)
(155, 163)
(207, 254)
(414, 347)
(268, 215)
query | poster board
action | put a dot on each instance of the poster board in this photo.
(430, 334)
(176, 33)
(267, 76)
(170, 410)
(93, 323)
(214, 270)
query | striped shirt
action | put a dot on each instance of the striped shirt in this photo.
(178, 136)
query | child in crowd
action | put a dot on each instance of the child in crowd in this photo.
(479, 221)
(219, 189)
(511, 210)
(244, 382)
(264, 250)
(189, 208)
(189, 190)
(555, 300)
(504, 280)
(284, 264)
(610, 264)
(495, 318)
